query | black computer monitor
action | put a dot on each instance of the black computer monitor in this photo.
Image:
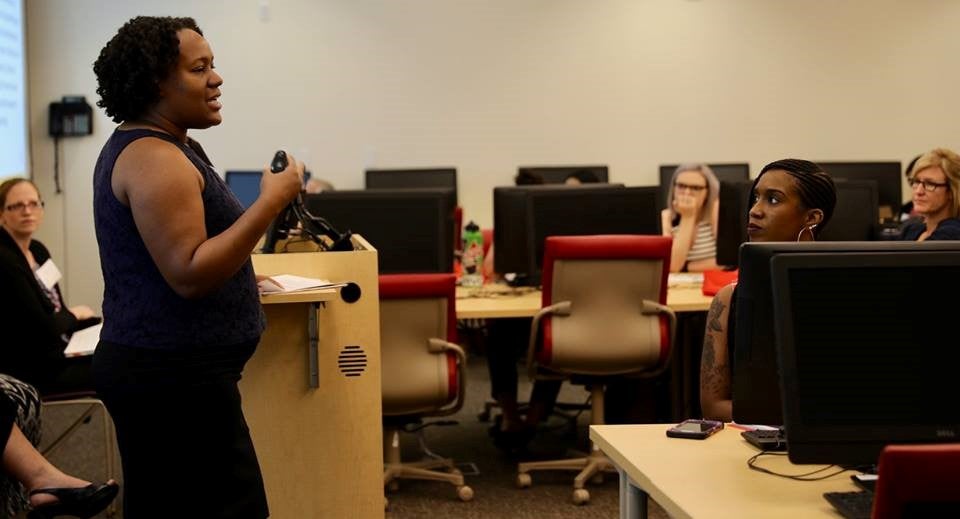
(411, 178)
(859, 370)
(725, 172)
(887, 175)
(855, 215)
(558, 174)
(756, 382)
(245, 185)
(525, 216)
(412, 229)
(733, 214)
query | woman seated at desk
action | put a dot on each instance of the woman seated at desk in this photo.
(34, 314)
(793, 200)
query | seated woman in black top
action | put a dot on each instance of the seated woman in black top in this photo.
(34, 314)
(792, 201)
(935, 183)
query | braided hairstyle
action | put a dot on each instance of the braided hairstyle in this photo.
(135, 61)
(816, 188)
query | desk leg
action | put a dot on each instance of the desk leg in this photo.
(633, 500)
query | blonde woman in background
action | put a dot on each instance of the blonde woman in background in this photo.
(691, 218)
(935, 184)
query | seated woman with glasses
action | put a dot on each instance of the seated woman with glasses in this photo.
(691, 218)
(935, 182)
(34, 311)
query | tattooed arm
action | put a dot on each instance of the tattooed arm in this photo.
(715, 398)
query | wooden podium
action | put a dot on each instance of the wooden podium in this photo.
(319, 448)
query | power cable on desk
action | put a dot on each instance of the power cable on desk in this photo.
(752, 463)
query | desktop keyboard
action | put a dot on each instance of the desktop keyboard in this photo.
(852, 505)
(766, 439)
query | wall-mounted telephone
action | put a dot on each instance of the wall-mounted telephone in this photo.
(70, 117)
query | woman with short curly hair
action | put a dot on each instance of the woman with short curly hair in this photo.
(181, 310)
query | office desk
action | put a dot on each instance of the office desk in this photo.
(709, 478)
(496, 301)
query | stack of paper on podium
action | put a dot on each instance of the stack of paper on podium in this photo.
(286, 283)
(84, 341)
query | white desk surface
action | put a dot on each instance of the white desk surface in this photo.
(710, 478)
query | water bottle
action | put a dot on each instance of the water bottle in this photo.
(472, 256)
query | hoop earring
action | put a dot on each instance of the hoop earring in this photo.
(809, 229)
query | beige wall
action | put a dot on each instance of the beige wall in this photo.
(487, 85)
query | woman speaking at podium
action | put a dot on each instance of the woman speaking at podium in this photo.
(181, 310)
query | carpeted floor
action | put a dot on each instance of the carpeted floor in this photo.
(494, 481)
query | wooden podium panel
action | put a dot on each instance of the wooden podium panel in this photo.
(319, 449)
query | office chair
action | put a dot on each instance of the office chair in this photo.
(918, 481)
(604, 316)
(85, 407)
(422, 371)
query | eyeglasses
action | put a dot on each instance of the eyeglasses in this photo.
(32, 205)
(688, 187)
(928, 185)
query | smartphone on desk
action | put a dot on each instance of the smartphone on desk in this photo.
(694, 429)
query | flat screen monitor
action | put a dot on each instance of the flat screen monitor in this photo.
(858, 371)
(412, 229)
(733, 215)
(729, 172)
(558, 174)
(756, 382)
(887, 175)
(244, 184)
(527, 215)
(411, 178)
(855, 215)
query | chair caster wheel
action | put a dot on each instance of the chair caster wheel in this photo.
(465, 493)
(524, 480)
(581, 496)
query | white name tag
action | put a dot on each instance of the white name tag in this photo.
(49, 274)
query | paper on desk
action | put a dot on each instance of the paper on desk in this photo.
(286, 283)
(676, 279)
(84, 341)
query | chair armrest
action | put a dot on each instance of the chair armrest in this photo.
(563, 308)
(654, 308)
(435, 345)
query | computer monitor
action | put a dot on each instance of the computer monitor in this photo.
(558, 174)
(733, 214)
(244, 184)
(756, 381)
(859, 370)
(855, 215)
(412, 229)
(732, 172)
(525, 216)
(411, 178)
(887, 175)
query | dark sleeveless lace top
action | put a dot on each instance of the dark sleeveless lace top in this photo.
(139, 307)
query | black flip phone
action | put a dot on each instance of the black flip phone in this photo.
(694, 429)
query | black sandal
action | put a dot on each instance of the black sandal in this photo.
(83, 502)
